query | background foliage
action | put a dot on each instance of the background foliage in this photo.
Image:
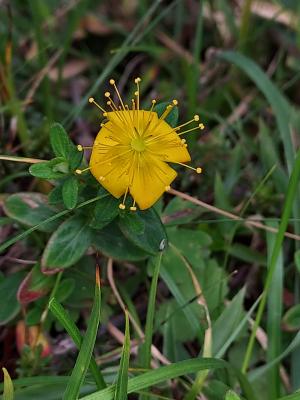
(182, 284)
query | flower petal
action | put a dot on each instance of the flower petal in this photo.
(110, 161)
(167, 144)
(150, 182)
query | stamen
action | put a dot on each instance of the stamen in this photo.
(201, 126)
(80, 171)
(196, 118)
(113, 83)
(198, 169)
(137, 93)
(152, 105)
(81, 148)
(133, 207)
(122, 205)
(92, 101)
(167, 188)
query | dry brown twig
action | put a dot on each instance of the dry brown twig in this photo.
(248, 222)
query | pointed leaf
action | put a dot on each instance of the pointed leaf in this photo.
(86, 349)
(122, 381)
(70, 192)
(67, 244)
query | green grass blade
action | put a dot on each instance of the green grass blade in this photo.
(22, 235)
(86, 350)
(146, 347)
(289, 200)
(294, 396)
(8, 393)
(274, 318)
(280, 106)
(131, 39)
(172, 371)
(64, 319)
(122, 382)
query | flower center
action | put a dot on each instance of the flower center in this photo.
(138, 144)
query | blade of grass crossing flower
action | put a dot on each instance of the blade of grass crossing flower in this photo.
(291, 193)
(8, 393)
(133, 38)
(172, 371)
(22, 235)
(274, 316)
(146, 347)
(64, 319)
(86, 350)
(122, 382)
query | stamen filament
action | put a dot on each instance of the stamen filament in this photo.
(113, 83)
(198, 169)
(201, 126)
(92, 101)
(122, 205)
(80, 171)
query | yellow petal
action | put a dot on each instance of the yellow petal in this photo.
(109, 163)
(167, 144)
(150, 182)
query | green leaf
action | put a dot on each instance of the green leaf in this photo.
(70, 192)
(67, 244)
(172, 117)
(31, 209)
(227, 322)
(8, 393)
(247, 254)
(146, 347)
(35, 285)
(65, 289)
(105, 211)
(59, 140)
(111, 242)
(64, 147)
(297, 260)
(8, 293)
(291, 318)
(150, 239)
(122, 381)
(230, 395)
(54, 169)
(60, 214)
(172, 371)
(63, 317)
(86, 349)
(55, 196)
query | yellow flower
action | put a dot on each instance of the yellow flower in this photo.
(133, 149)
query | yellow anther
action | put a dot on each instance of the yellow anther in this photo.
(78, 171)
(107, 94)
(112, 81)
(132, 208)
(122, 206)
(201, 126)
(101, 178)
(175, 102)
(91, 100)
(153, 101)
(137, 80)
(136, 93)
(167, 188)
(196, 117)
(198, 170)
(183, 141)
(79, 147)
